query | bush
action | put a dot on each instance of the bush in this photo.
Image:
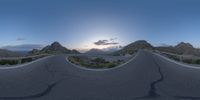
(99, 60)
(16, 61)
(93, 63)
(197, 61)
(110, 65)
(26, 60)
(189, 61)
(173, 57)
(192, 61)
(8, 62)
(72, 59)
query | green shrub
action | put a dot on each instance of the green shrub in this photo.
(110, 65)
(93, 63)
(99, 60)
(174, 57)
(197, 61)
(26, 60)
(189, 61)
(8, 62)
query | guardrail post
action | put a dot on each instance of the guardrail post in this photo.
(19, 61)
(181, 58)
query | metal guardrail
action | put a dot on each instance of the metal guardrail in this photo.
(23, 59)
(14, 58)
(181, 57)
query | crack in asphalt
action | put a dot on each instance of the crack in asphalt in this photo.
(38, 95)
(152, 91)
(161, 79)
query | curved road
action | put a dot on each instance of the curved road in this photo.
(146, 77)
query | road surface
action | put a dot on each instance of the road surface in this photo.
(147, 77)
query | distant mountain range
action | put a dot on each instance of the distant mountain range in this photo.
(7, 53)
(95, 51)
(181, 48)
(57, 48)
(54, 48)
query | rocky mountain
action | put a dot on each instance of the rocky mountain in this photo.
(74, 51)
(54, 48)
(34, 51)
(134, 47)
(185, 48)
(96, 51)
(181, 48)
(169, 49)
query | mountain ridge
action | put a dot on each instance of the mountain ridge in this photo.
(8, 53)
(134, 47)
(95, 51)
(181, 48)
(54, 48)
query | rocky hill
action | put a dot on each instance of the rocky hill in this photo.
(54, 48)
(95, 51)
(74, 51)
(169, 49)
(185, 48)
(181, 48)
(134, 47)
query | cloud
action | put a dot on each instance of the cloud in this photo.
(101, 42)
(20, 39)
(113, 39)
(23, 47)
(106, 42)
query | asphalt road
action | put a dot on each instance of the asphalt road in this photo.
(147, 77)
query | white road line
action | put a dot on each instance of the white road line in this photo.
(178, 63)
(23, 65)
(104, 69)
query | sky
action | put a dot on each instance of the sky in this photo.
(85, 24)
